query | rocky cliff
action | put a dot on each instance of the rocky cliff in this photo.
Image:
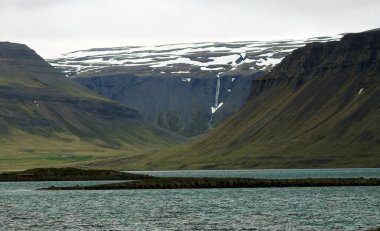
(180, 103)
(355, 54)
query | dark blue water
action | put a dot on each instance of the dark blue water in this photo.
(324, 208)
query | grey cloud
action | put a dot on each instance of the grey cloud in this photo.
(32, 4)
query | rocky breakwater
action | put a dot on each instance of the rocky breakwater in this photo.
(69, 174)
(194, 183)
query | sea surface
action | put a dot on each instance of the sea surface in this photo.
(321, 208)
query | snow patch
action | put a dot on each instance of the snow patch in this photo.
(223, 60)
(211, 69)
(180, 72)
(214, 109)
(268, 61)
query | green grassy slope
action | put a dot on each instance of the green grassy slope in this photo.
(307, 113)
(48, 120)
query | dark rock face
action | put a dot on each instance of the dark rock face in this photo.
(181, 104)
(355, 54)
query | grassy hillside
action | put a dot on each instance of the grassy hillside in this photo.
(48, 120)
(319, 108)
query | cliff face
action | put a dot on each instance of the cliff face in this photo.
(320, 107)
(180, 104)
(41, 111)
(355, 54)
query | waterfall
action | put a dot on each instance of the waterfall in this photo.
(217, 90)
(216, 105)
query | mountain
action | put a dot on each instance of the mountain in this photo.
(187, 88)
(320, 107)
(46, 118)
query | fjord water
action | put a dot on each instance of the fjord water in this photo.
(320, 208)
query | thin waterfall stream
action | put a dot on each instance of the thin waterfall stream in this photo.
(216, 105)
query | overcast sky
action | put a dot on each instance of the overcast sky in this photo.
(53, 27)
